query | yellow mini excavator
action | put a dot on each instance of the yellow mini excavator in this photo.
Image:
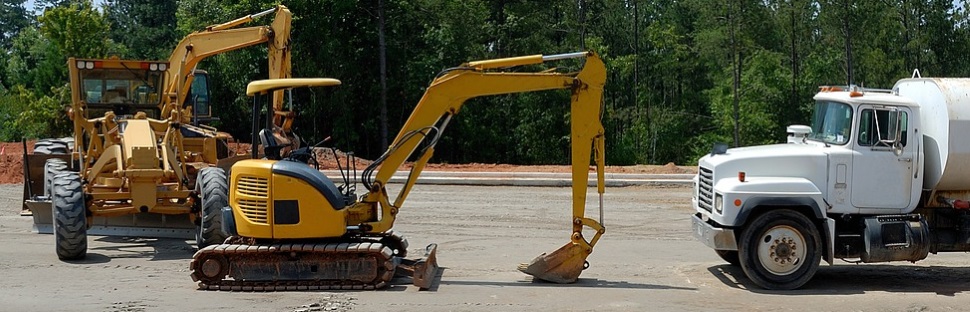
(292, 228)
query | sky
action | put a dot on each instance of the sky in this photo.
(30, 4)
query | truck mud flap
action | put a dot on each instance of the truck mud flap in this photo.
(137, 225)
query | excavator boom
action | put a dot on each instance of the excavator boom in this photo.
(444, 99)
(221, 38)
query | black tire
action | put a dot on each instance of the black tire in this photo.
(212, 186)
(780, 249)
(70, 219)
(731, 256)
(52, 147)
(52, 168)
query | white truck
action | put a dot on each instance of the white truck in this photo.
(879, 176)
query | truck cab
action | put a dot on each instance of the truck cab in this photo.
(849, 185)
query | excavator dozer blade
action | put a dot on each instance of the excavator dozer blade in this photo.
(422, 270)
(561, 266)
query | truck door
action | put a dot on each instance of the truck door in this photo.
(882, 174)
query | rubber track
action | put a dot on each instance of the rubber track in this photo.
(382, 252)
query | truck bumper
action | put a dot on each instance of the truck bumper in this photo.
(717, 238)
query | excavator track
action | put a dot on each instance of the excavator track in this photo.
(294, 266)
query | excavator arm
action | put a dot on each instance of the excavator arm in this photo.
(444, 98)
(222, 38)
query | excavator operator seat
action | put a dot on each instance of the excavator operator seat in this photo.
(311, 176)
(271, 146)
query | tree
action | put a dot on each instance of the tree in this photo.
(76, 30)
(13, 18)
(147, 28)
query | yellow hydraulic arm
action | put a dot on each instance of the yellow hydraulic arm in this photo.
(444, 98)
(222, 38)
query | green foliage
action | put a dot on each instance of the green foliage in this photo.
(76, 30)
(674, 67)
(147, 28)
(13, 18)
(24, 114)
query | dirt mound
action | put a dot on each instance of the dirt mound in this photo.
(12, 162)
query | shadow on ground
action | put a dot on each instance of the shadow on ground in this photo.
(154, 249)
(862, 278)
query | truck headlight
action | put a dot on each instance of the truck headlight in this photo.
(718, 203)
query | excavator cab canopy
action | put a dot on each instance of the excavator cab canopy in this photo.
(269, 85)
(264, 87)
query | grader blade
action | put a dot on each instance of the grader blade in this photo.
(561, 266)
(422, 270)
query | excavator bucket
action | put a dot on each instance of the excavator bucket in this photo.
(422, 270)
(561, 266)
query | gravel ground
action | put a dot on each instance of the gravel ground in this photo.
(647, 261)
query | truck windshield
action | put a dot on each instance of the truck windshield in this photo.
(831, 122)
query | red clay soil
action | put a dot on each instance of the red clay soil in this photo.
(11, 164)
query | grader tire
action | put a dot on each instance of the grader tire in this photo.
(52, 146)
(52, 168)
(70, 219)
(213, 188)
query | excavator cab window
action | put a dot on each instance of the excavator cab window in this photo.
(199, 95)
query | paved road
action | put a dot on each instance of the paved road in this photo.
(647, 261)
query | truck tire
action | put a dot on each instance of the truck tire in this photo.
(70, 219)
(52, 168)
(731, 256)
(780, 249)
(213, 189)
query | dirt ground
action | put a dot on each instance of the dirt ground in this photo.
(11, 163)
(646, 261)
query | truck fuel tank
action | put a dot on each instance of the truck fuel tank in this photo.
(896, 238)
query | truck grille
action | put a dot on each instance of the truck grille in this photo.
(705, 188)
(252, 196)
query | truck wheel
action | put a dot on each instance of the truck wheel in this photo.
(70, 219)
(213, 189)
(731, 256)
(52, 168)
(780, 250)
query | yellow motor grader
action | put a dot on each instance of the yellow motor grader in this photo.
(140, 162)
